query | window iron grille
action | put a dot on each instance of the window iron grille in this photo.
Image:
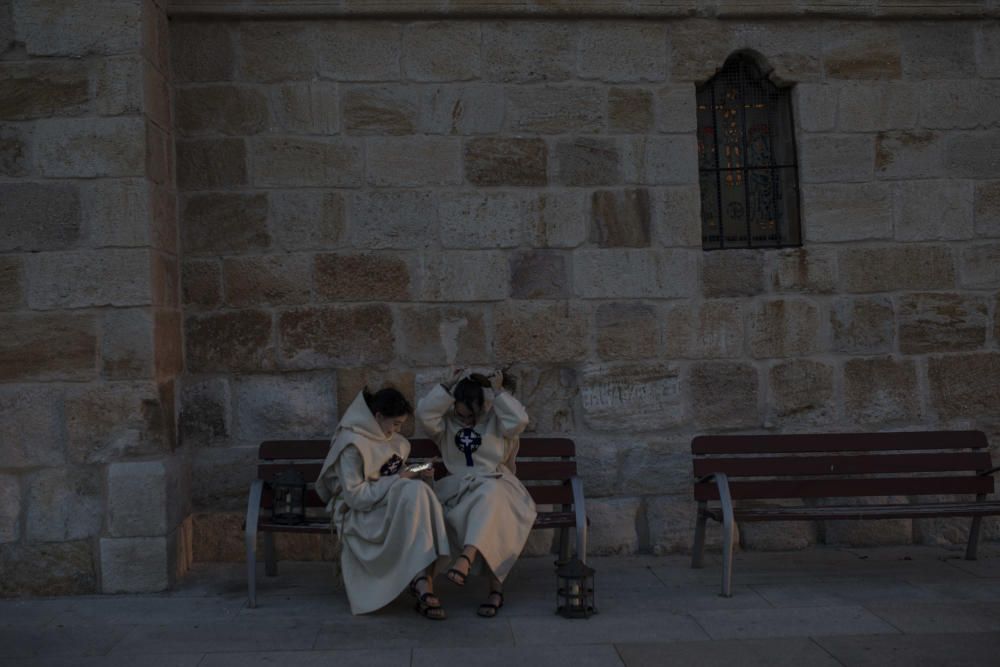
(746, 160)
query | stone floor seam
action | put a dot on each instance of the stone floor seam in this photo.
(825, 650)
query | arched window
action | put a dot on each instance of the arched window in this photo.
(746, 160)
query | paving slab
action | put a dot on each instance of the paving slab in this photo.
(24, 613)
(142, 610)
(20, 642)
(981, 589)
(606, 628)
(793, 652)
(123, 660)
(964, 650)
(927, 618)
(410, 631)
(220, 636)
(362, 658)
(523, 656)
(792, 622)
(831, 594)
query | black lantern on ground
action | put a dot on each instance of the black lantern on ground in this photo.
(575, 590)
(289, 489)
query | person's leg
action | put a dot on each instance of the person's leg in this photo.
(428, 604)
(494, 601)
(460, 568)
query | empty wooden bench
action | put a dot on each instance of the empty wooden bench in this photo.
(546, 466)
(732, 468)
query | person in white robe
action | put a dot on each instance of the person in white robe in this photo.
(488, 511)
(390, 522)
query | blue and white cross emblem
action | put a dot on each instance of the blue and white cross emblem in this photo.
(468, 441)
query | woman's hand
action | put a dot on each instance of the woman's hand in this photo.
(450, 383)
(496, 380)
(427, 475)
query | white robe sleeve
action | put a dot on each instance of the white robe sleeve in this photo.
(431, 411)
(359, 493)
(512, 415)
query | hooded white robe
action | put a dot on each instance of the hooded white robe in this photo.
(391, 528)
(485, 504)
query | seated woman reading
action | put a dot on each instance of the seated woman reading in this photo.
(390, 522)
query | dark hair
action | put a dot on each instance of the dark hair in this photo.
(388, 401)
(469, 391)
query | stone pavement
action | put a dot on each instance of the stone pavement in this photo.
(824, 606)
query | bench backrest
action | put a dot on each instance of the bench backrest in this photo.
(543, 465)
(820, 465)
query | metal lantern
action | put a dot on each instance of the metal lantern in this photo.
(289, 488)
(575, 590)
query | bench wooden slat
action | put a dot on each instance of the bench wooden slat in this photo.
(551, 495)
(861, 512)
(545, 470)
(309, 471)
(312, 498)
(833, 488)
(843, 465)
(293, 449)
(837, 442)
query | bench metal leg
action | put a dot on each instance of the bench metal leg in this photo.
(250, 535)
(270, 556)
(973, 546)
(698, 548)
(581, 518)
(564, 545)
(728, 534)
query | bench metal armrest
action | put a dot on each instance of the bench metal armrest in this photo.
(576, 484)
(253, 513)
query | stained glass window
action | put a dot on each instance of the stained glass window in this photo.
(746, 160)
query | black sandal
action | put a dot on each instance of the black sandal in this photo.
(423, 607)
(457, 577)
(489, 610)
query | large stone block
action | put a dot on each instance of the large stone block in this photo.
(15, 150)
(868, 533)
(43, 89)
(230, 341)
(441, 51)
(506, 161)
(965, 386)
(362, 277)
(724, 395)
(205, 414)
(888, 268)
(713, 329)
(908, 154)
(627, 330)
(306, 219)
(621, 218)
(563, 220)
(291, 406)
(127, 343)
(847, 212)
(623, 51)
(295, 162)
(676, 109)
(939, 50)
(359, 50)
(135, 564)
(78, 279)
(555, 109)
(277, 51)
(116, 421)
(801, 393)
(677, 216)
(804, 270)
(959, 104)
(92, 147)
(221, 109)
(321, 337)
(784, 328)
(464, 275)
(633, 273)
(588, 161)
(268, 280)
(881, 390)
(221, 477)
(550, 332)
(670, 521)
(980, 266)
(698, 48)
(539, 274)
(442, 335)
(846, 158)
(987, 209)
(159, 156)
(307, 107)
(863, 326)
(656, 467)
(64, 504)
(224, 222)
(381, 109)
(35, 216)
(463, 109)
(632, 397)
(733, 273)
(117, 212)
(863, 51)
(48, 568)
(137, 499)
(478, 220)
(31, 426)
(414, 161)
(790, 48)
(402, 219)
(614, 526)
(48, 346)
(526, 51)
(203, 164)
(202, 50)
(775, 536)
(933, 211)
(201, 283)
(630, 110)
(598, 461)
(667, 160)
(11, 283)
(973, 155)
(988, 51)
(815, 106)
(549, 395)
(939, 322)
(10, 508)
(870, 107)
(53, 28)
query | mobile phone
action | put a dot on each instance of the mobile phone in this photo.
(420, 467)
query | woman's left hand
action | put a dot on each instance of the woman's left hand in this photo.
(496, 380)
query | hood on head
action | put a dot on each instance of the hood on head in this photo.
(359, 418)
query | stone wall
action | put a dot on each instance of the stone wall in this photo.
(93, 490)
(374, 200)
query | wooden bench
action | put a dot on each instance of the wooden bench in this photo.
(547, 466)
(730, 468)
